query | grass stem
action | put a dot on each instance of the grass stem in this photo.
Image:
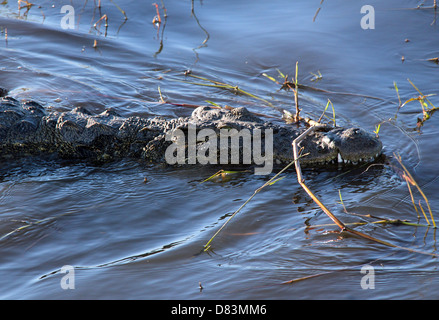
(269, 182)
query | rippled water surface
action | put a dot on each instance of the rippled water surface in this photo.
(135, 231)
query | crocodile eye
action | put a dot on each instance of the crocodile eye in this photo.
(356, 131)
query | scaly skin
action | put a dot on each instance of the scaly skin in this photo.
(27, 128)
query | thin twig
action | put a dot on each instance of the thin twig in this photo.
(296, 93)
(122, 11)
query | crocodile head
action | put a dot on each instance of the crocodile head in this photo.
(325, 145)
(356, 145)
(344, 145)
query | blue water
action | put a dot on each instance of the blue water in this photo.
(131, 238)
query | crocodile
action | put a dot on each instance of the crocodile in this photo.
(29, 129)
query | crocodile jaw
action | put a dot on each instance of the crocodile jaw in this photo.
(356, 145)
(348, 146)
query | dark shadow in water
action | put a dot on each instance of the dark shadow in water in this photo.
(123, 261)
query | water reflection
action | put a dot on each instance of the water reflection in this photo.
(124, 235)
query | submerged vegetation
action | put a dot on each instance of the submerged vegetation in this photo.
(427, 107)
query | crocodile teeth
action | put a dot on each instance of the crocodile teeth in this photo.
(340, 159)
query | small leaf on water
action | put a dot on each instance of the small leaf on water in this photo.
(213, 103)
(269, 77)
(278, 179)
(377, 130)
(222, 175)
(280, 73)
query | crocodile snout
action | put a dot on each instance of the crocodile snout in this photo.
(356, 144)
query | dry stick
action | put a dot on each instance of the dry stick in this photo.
(413, 199)
(301, 180)
(104, 17)
(423, 212)
(384, 221)
(409, 178)
(294, 88)
(317, 12)
(28, 4)
(296, 94)
(157, 18)
(122, 11)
